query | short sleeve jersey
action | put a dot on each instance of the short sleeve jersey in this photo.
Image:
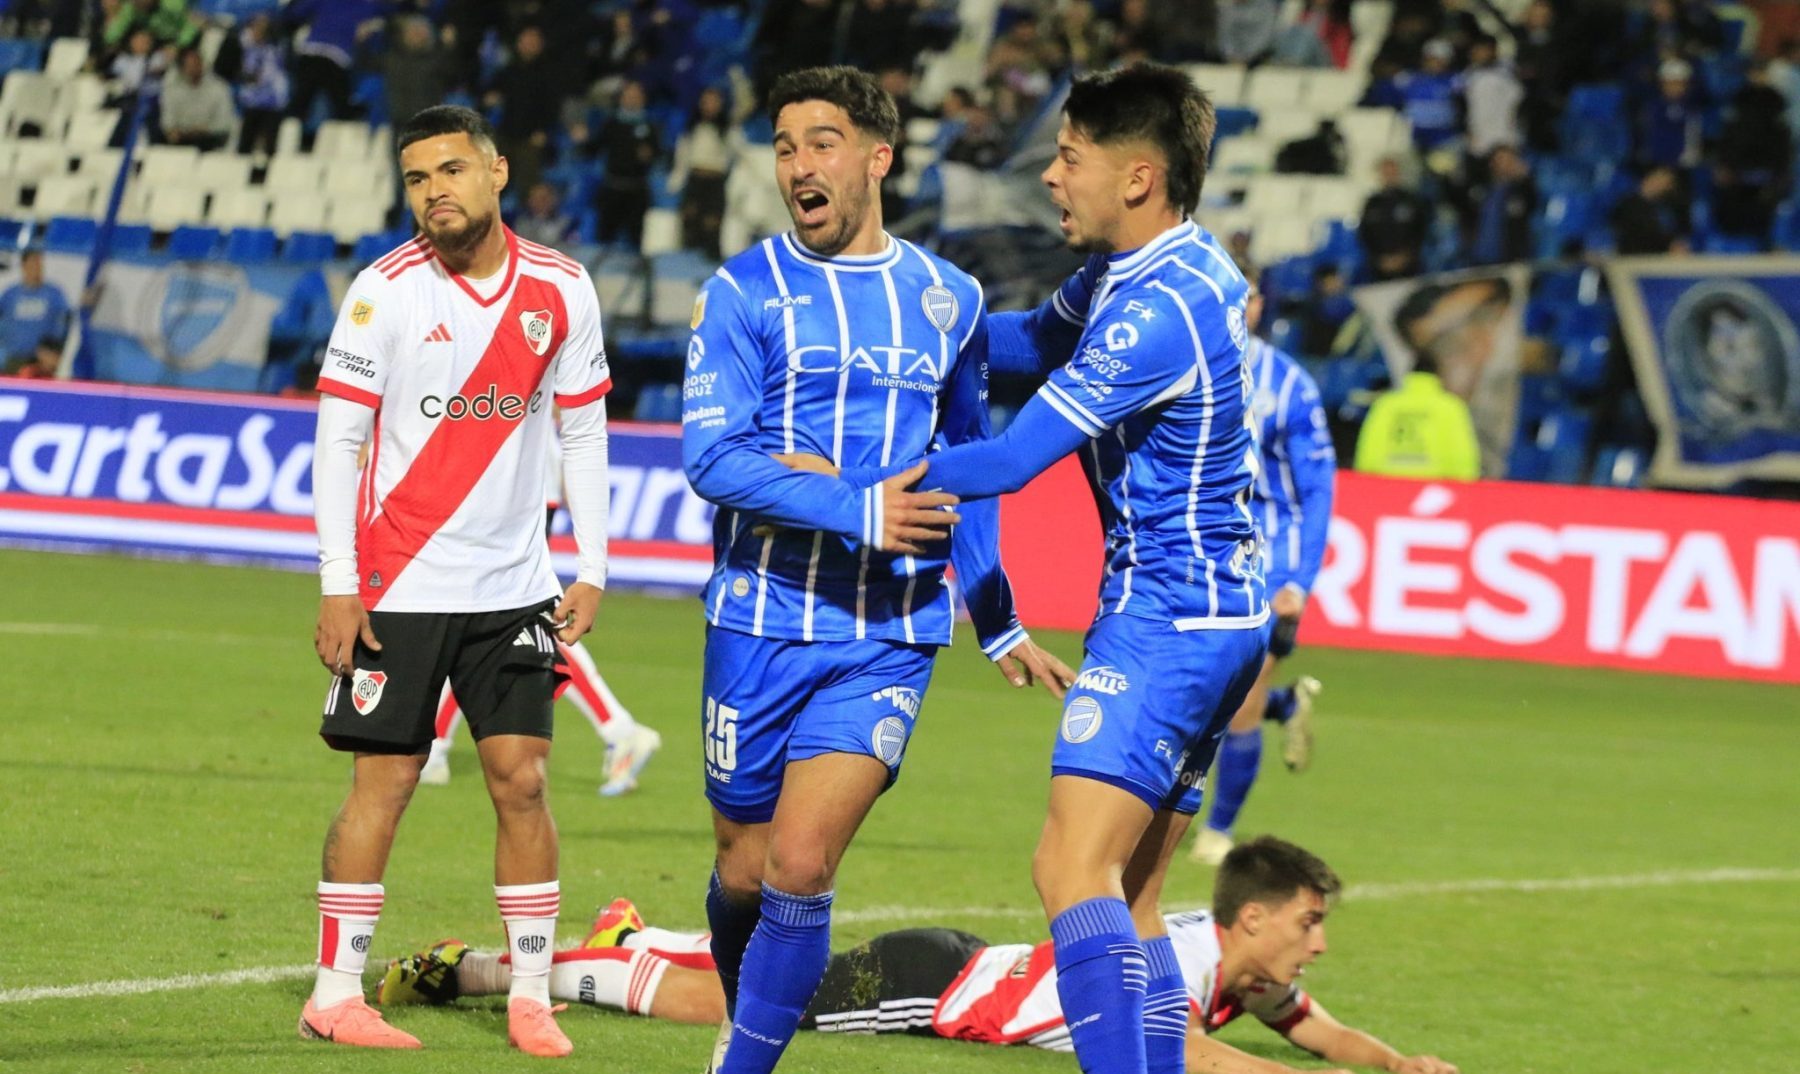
(450, 508)
(1159, 382)
(1007, 993)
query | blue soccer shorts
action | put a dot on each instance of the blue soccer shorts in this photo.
(769, 701)
(1150, 704)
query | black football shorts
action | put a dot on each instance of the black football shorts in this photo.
(890, 984)
(502, 666)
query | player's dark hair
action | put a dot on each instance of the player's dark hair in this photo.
(1270, 871)
(442, 119)
(855, 91)
(1153, 103)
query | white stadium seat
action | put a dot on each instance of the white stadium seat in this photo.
(295, 210)
(342, 140)
(352, 218)
(91, 130)
(27, 97)
(1279, 237)
(1280, 126)
(1223, 82)
(34, 158)
(295, 173)
(66, 58)
(1277, 196)
(1274, 89)
(168, 163)
(222, 171)
(1330, 92)
(243, 207)
(63, 195)
(1333, 198)
(174, 205)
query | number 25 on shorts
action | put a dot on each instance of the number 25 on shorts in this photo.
(721, 739)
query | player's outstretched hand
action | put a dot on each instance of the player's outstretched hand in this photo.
(1424, 1064)
(1288, 602)
(807, 463)
(910, 520)
(575, 612)
(342, 620)
(1025, 664)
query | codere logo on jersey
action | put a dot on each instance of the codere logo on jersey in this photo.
(487, 405)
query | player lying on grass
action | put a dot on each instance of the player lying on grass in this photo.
(1243, 957)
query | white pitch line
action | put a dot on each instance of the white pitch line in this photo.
(256, 975)
(153, 634)
(1402, 890)
(1356, 892)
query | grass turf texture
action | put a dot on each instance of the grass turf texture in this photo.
(166, 795)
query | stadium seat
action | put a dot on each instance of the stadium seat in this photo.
(341, 140)
(1233, 122)
(174, 205)
(349, 220)
(63, 195)
(1280, 236)
(295, 210)
(1240, 157)
(1281, 126)
(1333, 198)
(11, 196)
(221, 171)
(1223, 82)
(11, 231)
(1275, 90)
(130, 239)
(307, 246)
(1277, 196)
(20, 55)
(70, 234)
(1618, 467)
(192, 243)
(289, 136)
(160, 164)
(297, 173)
(250, 244)
(1330, 92)
(1563, 437)
(27, 99)
(1584, 359)
(1527, 462)
(66, 57)
(243, 207)
(91, 130)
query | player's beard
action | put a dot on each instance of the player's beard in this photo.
(455, 242)
(849, 208)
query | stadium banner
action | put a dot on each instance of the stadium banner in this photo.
(225, 477)
(1649, 581)
(1717, 355)
(1472, 324)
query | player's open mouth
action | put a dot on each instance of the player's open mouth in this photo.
(811, 205)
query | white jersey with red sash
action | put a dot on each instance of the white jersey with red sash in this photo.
(1007, 994)
(462, 375)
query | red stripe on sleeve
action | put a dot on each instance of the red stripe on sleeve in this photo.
(351, 392)
(570, 402)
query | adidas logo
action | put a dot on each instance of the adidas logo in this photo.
(440, 334)
(525, 638)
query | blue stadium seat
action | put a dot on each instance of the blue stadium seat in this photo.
(1234, 121)
(1618, 467)
(1586, 347)
(193, 243)
(1563, 438)
(11, 231)
(1539, 395)
(20, 54)
(308, 246)
(1527, 462)
(131, 239)
(1289, 280)
(71, 234)
(1565, 220)
(247, 244)
(1720, 243)
(1787, 225)
(659, 402)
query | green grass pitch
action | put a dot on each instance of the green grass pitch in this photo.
(165, 796)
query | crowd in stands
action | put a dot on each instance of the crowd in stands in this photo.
(1505, 131)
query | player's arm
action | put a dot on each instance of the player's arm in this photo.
(1307, 441)
(1205, 1055)
(975, 543)
(583, 377)
(1037, 341)
(1318, 1032)
(1143, 363)
(726, 466)
(351, 380)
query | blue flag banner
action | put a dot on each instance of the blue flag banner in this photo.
(1717, 354)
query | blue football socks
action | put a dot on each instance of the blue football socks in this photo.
(732, 922)
(1101, 978)
(782, 969)
(1239, 758)
(1281, 704)
(1165, 1010)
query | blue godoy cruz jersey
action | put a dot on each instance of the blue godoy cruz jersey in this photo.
(1299, 465)
(1145, 356)
(865, 361)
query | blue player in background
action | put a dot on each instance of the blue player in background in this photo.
(827, 604)
(1292, 504)
(1147, 380)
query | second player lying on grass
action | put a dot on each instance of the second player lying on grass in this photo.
(1242, 957)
